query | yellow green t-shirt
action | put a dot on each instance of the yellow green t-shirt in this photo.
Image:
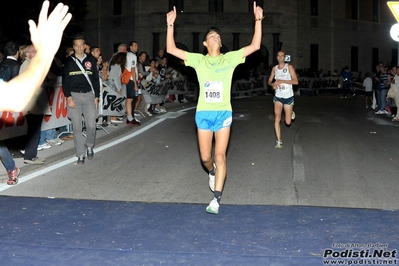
(214, 78)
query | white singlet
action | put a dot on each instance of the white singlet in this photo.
(284, 90)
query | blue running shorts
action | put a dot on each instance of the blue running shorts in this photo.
(288, 101)
(213, 120)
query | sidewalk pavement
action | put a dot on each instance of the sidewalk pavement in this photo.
(56, 153)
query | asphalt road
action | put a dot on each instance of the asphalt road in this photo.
(337, 153)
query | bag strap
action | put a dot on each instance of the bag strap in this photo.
(84, 73)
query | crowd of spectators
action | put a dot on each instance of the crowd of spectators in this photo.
(156, 78)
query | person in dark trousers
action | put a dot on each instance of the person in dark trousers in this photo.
(35, 112)
(347, 81)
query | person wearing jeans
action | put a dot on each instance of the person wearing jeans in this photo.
(9, 164)
(49, 138)
(382, 91)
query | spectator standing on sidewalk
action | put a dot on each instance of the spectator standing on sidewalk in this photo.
(376, 84)
(368, 90)
(382, 91)
(95, 51)
(142, 74)
(132, 87)
(12, 55)
(117, 64)
(81, 86)
(35, 110)
(32, 136)
(214, 112)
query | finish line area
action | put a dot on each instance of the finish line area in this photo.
(47, 231)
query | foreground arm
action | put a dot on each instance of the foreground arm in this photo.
(257, 39)
(46, 37)
(170, 40)
(133, 71)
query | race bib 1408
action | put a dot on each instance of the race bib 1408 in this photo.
(213, 91)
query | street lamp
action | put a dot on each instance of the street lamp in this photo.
(395, 32)
(394, 6)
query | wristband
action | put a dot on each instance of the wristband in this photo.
(258, 19)
(169, 25)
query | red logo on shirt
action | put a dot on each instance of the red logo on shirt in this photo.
(88, 65)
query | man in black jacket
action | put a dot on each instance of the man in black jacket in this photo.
(81, 86)
(12, 54)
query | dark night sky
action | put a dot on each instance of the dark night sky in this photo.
(14, 20)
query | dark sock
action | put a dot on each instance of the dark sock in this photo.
(217, 195)
(212, 172)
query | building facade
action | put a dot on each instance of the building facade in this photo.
(317, 34)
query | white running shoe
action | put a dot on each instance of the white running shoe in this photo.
(43, 146)
(213, 207)
(279, 144)
(293, 115)
(212, 179)
(59, 140)
(53, 142)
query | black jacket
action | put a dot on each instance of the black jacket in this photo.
(73, 79)
(14, 66)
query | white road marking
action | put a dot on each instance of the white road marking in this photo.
(297, 150)
(297, 165)
(299, 171)
(99, 149)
